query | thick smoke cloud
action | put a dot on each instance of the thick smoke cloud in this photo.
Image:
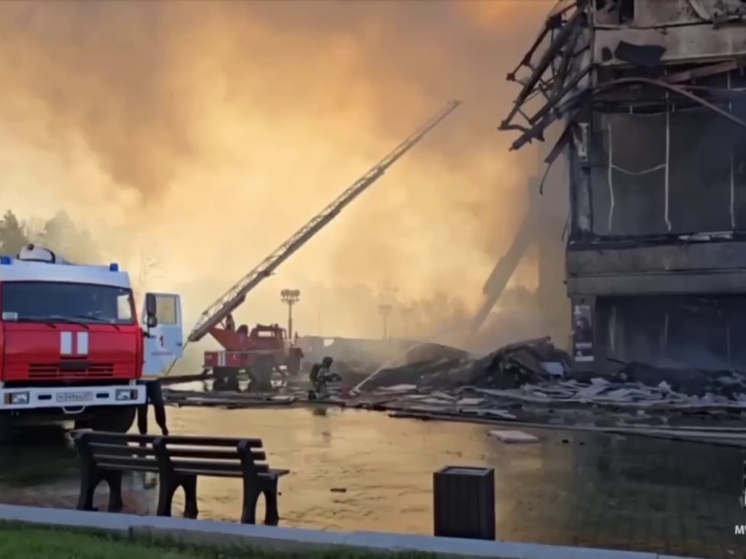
(215, 129)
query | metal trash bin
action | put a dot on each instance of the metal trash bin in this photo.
(464, 502)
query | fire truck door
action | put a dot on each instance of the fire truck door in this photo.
(165, 344)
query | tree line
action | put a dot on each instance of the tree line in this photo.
(58, 234)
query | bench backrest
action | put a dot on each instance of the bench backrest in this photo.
(216, 455)
(117, 451)
(179, 454)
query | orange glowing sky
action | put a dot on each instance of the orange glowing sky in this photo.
(206, 132)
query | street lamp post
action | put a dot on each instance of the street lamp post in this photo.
(406, 313)
(290, 297)
(385, 312)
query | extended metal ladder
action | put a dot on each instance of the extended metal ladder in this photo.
(236, 295)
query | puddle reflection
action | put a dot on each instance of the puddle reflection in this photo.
(356, 470)
(41, 468)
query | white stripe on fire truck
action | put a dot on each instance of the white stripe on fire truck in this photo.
(82, 343)
(221, 359)
(66, 343)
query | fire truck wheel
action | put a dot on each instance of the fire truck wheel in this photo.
(226, 380)
(115, 419)
(6, 429)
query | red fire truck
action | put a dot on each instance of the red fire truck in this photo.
(71, 347)
(258, 352)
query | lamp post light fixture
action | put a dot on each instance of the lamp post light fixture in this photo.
(290, 297)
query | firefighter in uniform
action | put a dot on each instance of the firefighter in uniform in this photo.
(319, 376)
(154, 397)
(230, 324)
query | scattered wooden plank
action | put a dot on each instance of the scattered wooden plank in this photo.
(513, 436)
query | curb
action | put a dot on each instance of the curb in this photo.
(229, 535)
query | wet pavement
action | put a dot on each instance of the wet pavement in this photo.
(354, 470)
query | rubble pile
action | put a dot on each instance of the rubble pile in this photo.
(536, 372)
(527, 382)
(443, 373)
(693, 382)
(515, 365)
(438, 367)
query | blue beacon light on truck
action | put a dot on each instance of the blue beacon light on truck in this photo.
(6, 260)
(113, 267)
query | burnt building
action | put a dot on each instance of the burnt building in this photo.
(648, 100)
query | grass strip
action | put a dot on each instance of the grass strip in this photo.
(25, 541)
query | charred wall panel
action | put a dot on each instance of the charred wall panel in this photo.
(679, 173)
(628, 192)
(661, 12)
(688, 43)
(738, 148)
(592, 259)
(699, 172)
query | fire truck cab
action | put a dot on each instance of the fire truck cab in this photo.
(71, 345)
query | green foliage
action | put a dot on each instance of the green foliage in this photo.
(62, 236)
(58, 234)
(13, 234)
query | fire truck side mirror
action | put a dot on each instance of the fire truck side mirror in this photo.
(151, 310)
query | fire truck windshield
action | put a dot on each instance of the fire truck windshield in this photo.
(71, 302)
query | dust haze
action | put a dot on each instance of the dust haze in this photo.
(197, 136)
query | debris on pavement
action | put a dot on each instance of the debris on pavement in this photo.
(530, 382)
(693, 382)
(509, 367)
(536, 372)
(513, 436)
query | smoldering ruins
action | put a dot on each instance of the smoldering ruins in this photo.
(649, 97)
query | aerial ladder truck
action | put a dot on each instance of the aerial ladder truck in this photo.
(264, 348)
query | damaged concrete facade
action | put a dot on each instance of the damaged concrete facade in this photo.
(650, 96)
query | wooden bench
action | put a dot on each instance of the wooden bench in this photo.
(178, 461)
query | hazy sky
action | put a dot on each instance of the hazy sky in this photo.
(213, 130)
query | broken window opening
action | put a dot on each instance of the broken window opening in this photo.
(626, 11)
(689, 331)
(635, 170)
(619, 12)
(654, 160)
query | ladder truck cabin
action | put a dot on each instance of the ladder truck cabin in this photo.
(265, 348)
(71, 347)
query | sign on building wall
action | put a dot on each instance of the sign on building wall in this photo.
(582, 333)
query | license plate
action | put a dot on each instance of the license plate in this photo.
(68, 397)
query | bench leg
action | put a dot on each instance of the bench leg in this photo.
(189, 483)
(114, 480)
(271, 513)
(251, 495)
(89, 480)
(167, 486)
